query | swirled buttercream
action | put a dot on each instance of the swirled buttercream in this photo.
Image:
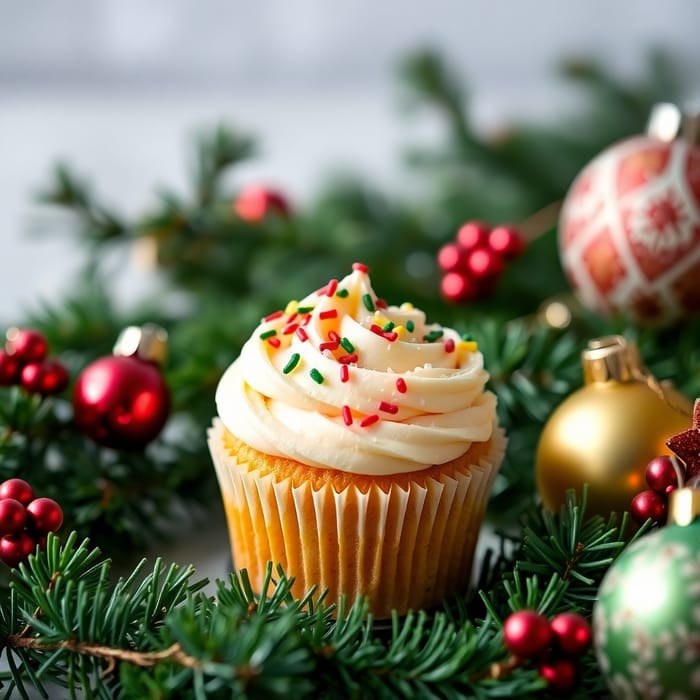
(342, 380)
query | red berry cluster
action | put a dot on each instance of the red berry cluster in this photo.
(24, 361)
(662, 478)
(474, 262)
(255, 202)
(24, 520)
(554, 645)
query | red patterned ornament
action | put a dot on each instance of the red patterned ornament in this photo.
(629, 234)
(122, 401)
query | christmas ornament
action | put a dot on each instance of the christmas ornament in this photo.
(472, 264)
(646, 620)
(46, 377)
(26, 344)
(687, 445)
(526, 634)
(9, 369)
(663, 474)
(605, 433)
(255, 202)
(122, 400)
(572, 633)
(629, 233)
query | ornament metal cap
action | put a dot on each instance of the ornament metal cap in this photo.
(610, 358)
(148, 342)
(683, 506)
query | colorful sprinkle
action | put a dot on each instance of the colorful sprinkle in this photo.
(330, 345)
(410, 326)
(316, 376)
(331, 287)
(273, 316)
(401, 385)
(347, 415)
(348, 359)
(407, 306)
(333, 337)
(399, 330)
(369, 420)
(433, 336)
(468, 346)
(367, 301)
(268, 334)
(388, 326)
(344, 373)
(388, 407)
(292, 363)
(347, 345)
(301, 334)
(291, 317)
(342, 293)
(391, 336)
(449, 345)
(361, 267)
(275, 342)
(305, 309)
(291, 307)
(382, 303)
(467, 336)
(330, 313)
(290, 328)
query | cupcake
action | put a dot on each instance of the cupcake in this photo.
(356, 446)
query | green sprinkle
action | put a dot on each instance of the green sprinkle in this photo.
(347, 345)
(268, 334)
(316, 376)
(388, 326)
(342, 293)
(467, 336)
(433, 336)
(410, 326)
(293, 362)
(305, 309)
(367, 301)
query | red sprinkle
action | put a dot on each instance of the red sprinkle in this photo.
(369, 420)
(306, 320)
(344, 373)
(401, 385)
(301, 334)
(273, 316)
(333, 337)
(275, 342)
(330, 313)
(376, 329)
(291, 317)
(331, 287)
(347, 415)
(449, 345)
(347, 359)
(360, 266)
(328, 346)
(290, 328)
(388, 407)
(391, 336)
(381, 303)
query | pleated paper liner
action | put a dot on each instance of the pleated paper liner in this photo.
(405, 541)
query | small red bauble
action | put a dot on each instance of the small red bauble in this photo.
(44, 515)
(255, 202)
(527, 634)
(26, 344)
(629, 234)
(661, 475)
(13, 516)
(16, 548)
(649, 504)
(572, 633)
(46, 377)
(9, 369)
(560, 674)
(18, 489)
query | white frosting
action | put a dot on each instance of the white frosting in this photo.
(431, 415)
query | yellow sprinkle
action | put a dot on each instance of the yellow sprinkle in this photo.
(467, 346)
(399, 330)
(407, 306)
(379, 319)
(291, 307)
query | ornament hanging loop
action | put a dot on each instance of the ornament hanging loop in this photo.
(148, 342)
(667, 123)
(683, 506)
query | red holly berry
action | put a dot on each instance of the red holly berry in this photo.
(44, 515)
(472, 234)
(457, 287)
(255, 202)
(572, 633)
(506, 241)
(527, 634)
(18, 489)
(560, 674)
(13, 516)
(16, 548)
(9, 369)
(484, 264)
(451, 257)
(661, 475)
(26, 344)
(649, 504)
(46, 377)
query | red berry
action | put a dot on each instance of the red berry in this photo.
(648, 504)
(527, 634)
(45, 377)
(13, 516)
(18, 489)
(26, 344)
(661, 475)
(457, 287)
(44, 515)
(472, 234)
(506, 241)
(450, 257)
(572, 633)
(16, 548)
(254, 203)
(9, 369)
(560, 674)
(483, 263)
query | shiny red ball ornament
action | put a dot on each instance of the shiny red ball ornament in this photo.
(26, 344)
(572, 633)
(46, 377)
(15, 549)
(661, 475)
(13, 516)
(561, 674)
(44, 515)
(649, 504)
(9, 369)
(122, 401)
(18, 489)
(255, 202)
(527, 634)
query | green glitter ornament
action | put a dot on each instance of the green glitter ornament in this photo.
(646, 621)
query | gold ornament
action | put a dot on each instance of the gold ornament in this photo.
(605, 433)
